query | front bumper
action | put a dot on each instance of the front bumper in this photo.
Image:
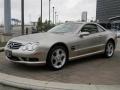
(26, 57)
(26, 62)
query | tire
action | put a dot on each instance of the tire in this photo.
(109, 49)
(57, 58)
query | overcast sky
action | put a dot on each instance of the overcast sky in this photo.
(66, 9)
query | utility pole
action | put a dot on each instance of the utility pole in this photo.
(7, 16)
(41, 11)
(22, 16)
(49, 11)
(53, 14)
(56, 19)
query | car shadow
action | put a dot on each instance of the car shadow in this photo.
(44, 68)
(87, 59)
(30, 67)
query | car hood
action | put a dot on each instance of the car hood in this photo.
(42, 37)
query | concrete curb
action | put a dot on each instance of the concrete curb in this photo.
(1, 49)
(23, 83)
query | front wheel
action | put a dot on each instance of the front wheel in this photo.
(57, 58)
(109, 50)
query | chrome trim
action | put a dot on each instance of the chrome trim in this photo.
(89, 54)
(14, 45)
(90, 47)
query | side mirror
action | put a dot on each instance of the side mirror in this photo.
(82, 34)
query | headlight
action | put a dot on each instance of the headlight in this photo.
(30, 46)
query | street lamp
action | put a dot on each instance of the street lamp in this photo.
(49, 11)
(53, 14)
(22, 16)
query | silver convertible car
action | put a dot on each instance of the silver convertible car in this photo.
(60, 44)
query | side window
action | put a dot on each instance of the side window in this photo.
(100, 29)
(91, 28)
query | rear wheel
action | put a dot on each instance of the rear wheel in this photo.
(109, 50)
(57, 58)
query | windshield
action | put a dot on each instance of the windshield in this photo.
(65, 28)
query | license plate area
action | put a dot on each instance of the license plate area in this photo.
(8, 53)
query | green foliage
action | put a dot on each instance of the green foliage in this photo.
(2, 44)
(45, 26)
(39, 24)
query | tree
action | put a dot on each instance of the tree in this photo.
(45, 26)
(39, 25)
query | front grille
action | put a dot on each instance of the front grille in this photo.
(14, 45)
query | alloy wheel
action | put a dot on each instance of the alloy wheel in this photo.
(58, 58)
(110, 49)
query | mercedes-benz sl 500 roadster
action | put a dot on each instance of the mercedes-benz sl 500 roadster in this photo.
(62, 43)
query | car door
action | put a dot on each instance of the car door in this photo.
(93, 40)
(80, 45)
(90, 43)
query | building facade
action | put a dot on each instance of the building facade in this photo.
(107, 10)
(84, 16)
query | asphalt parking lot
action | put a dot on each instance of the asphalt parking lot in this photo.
(91, 70)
